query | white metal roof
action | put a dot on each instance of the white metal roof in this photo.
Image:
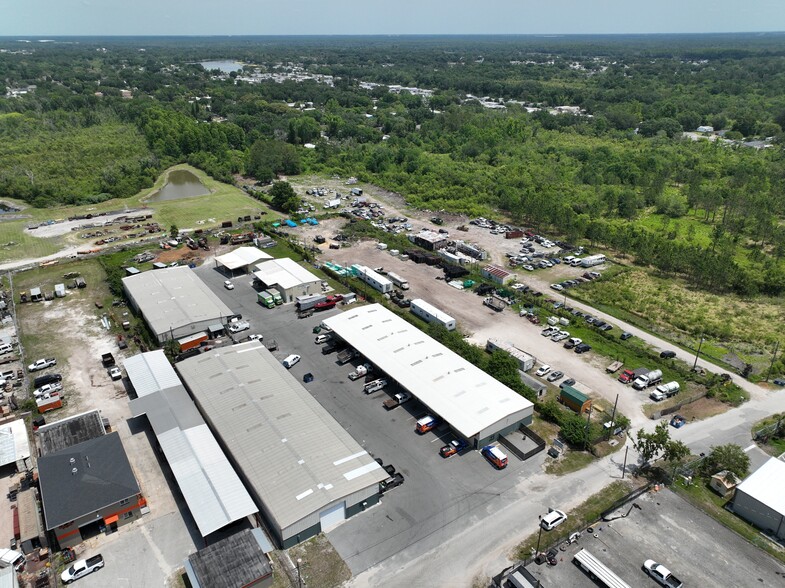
(14, 444)
(296, 456)
(458, 391)
(241, 257)
(284, 272)
(432, 310)
(766, 485)
(211, 488)
(150, 372)
(174, 297)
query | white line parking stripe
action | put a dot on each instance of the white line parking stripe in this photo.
(753, 446)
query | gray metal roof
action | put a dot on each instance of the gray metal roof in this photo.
(174, 297)
(70, 431)
(14, 444)
(99, 476)
(458, 391)
(295, 455)
(211, 488)
(233, 562)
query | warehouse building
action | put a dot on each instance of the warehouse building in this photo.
(430, 314)
(214, 493)
(478, 407)
(498, 274)
(760, 499)
(304, 471)
(238, 561)
(88, 488)
(241, 260)
(430, 240)
(174, 302)
(288, 277)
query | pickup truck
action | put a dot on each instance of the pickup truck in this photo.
(362, 370)
(661, 574)
(115, 373)
(396, 400)
(391, 482)
(42, 364)
(615, 367)
(107, 359)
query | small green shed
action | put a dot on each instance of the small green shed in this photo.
(572, 398)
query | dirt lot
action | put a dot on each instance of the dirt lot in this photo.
(70, 330)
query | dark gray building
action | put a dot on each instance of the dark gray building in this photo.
(88, 487)
(238, 561)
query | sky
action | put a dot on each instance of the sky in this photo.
(376, 17)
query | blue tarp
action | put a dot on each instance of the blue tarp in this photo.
(290, 223)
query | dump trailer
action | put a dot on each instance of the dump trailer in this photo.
(494, 303)
(309, 301)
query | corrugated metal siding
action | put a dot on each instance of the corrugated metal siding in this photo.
(150, 372)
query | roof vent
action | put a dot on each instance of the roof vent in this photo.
(72, 460)
(73, 471)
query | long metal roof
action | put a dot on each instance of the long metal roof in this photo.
(296, 456)
(284, 272)
(241, 257)
(765, 485)
(211, 488)
(174, 297)
(458, 391)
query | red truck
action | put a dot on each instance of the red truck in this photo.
(329, 303)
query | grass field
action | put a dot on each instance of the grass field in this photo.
(734, 330)
(225, 202)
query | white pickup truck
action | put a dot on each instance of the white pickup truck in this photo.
(42, 364)
(661, 574)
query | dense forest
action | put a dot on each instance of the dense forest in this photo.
(583, 136)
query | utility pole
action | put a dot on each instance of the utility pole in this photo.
(694, 365)
(539, 536)
(299, 576)
(773, 357)
(624, 467)
(588, 425)
(613, 417)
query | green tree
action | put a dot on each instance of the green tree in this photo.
(729, 457)
(174, 231)
(659, 444)
(284, 197)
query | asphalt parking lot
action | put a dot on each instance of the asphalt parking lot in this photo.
(437, 493)
(698, 550)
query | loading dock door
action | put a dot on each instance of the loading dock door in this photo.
(332, 516)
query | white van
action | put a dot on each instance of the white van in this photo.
(371, 387)
(6, 348)
(290, 361)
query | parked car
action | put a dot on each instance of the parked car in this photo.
(544, 369)
(779, 382)
(557, 287)
(661, 574)
(552, 520)
(667, 354)
(321, 339)
(256, 337)
(391, 482)
(42, 364)
(567, 382)
(228, 285)
(81, 568)
(115, 373)
(582, 348)
(290, 361)
(625, 335)
(553, 376)
(453, 447)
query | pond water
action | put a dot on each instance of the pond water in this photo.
(224, 66)
(180, 184)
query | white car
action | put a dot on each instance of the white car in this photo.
(544, 369)
(47, 389)
(557, 287)
(255, 337)
(552, 520)
(228, 285)
(115, 373)
(81, 568)
(290, 361)
(528, 268)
